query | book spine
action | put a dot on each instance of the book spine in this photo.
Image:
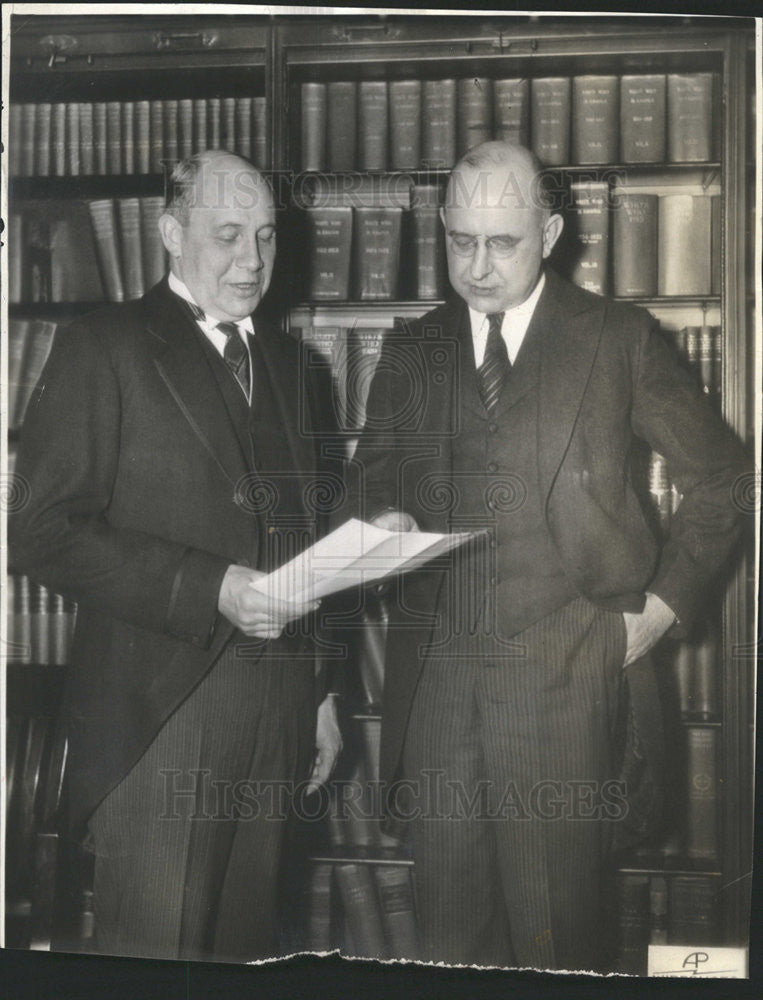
(72, 140)
(171, 147)
(511, 103)
(330, 343)
(633, 923)
(143, 137)
(594, 119)
(114, 136)
(706, 677)
(373, 112)
(185, 128)
(40, 624)
(405, 124)
(59, 631)
(550, 119)
(378, 232)
(364, 347)
(702, 797)
(18, 335)
(86, 138)
(362, 909)
(718, 366)
(42, 152)
(104, 228)
(260, 148)
(693, 911)
(229, 124)
(642, 119)
(659, 488)
(682, 670)
(244, 127)
(16, 140)
(37, 234)
(706, 351)
(15, 258)
(35, 355)
(691, 350)
(100, 137)
(398, 915)
(428, 243)
(438, 125)
(634, 245)
(131, 253)
(342, 134)
(154, 264)
(199, 125)
(474, 112)
(683, 250)
(28, 117)
(658, 911)
(314, 122)
(329, 239)
(128, 137)
(318, 909)
(716, 245)
(156, 132)
(591, 210)
(214, 109)
(20, 621)
(690, 126)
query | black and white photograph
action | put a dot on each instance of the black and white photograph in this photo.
(380, 486)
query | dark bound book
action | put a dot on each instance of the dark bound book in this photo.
(314, 122)
(405, 124)
(642, 118)
(427, 243)
(329, 241)
(171, 148)
(104, 227)
(683, 255)
(28, 148)
(633, 923)
(634, 244)
(214, 122)
(114, 136)
(19, 620)
(694, 910)
(74, 274)
(244, 127)
(377, 252)
(474, 112)
(342, 114)
(397, 909)
(143, 137)
(361, 907)
(550, 105)
(73, 168)
(318, 908)
(594, 119)
(185, 128)
(40, 623)
(702, 792)
(373, 125)
(131, 249)
(438, 124)
(100, 137)
(16, 139)
(128, 137)
(57, 140)
(260, 150)
(229, 124)
(690, 117)
(590, 210)
(42, 139)
(86, 138)
(200, 125)
(364, 345)
(511, 111)
(16, 269)
(153, 253)
(156, 126)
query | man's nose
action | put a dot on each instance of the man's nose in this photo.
(481, 265)
(249, 255)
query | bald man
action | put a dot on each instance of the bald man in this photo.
(511, 411)
(171, 450)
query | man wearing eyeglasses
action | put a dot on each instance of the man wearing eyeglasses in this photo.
(506, 670)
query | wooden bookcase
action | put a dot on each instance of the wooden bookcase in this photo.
(124, 58)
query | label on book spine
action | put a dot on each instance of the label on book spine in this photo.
(329, 237)
(690, 117)
(373, 122)
(438, 124)
(550, 119)
(594, 119)
(590, 208)
(377, 242)
(405, 124)
(642, 118)
(635, 244)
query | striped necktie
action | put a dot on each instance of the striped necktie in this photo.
(495, 367)
(235, 353)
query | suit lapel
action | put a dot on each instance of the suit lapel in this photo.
(183, 367)
(569, 325)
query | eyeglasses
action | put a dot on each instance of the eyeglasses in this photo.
(466, 246)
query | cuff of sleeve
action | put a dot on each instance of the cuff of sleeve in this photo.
(192, 614)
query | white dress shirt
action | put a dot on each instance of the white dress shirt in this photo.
(208, 325)
(513, 328)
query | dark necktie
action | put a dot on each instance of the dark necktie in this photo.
(236, 355)
(495, 366)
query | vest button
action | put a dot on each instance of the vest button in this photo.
(492, 467)
(492, 427)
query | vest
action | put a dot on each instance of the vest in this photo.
(513, 576)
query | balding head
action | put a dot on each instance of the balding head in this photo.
(499, 226)
(219, 230)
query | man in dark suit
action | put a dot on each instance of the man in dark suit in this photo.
(171, 451)
(512, 410)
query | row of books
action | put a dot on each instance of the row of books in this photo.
(367, 911)
(680, 909)
(85, 251)
(131, 137)
(40, 623)
(591, 119)
(661, 245)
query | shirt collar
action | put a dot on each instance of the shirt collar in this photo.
(180, 288)
(523, 311)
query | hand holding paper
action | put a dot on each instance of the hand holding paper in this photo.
(354, 555)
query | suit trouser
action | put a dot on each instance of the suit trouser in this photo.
(512, 756)
(188, 844)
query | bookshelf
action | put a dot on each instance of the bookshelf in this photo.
(138, 61)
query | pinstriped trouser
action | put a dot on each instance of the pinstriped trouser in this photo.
(171, 886)
(520, 882)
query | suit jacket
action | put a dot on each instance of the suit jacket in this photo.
(606, 377)
(140, 485)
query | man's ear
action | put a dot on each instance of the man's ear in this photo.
(552, 230)
(172, 234)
